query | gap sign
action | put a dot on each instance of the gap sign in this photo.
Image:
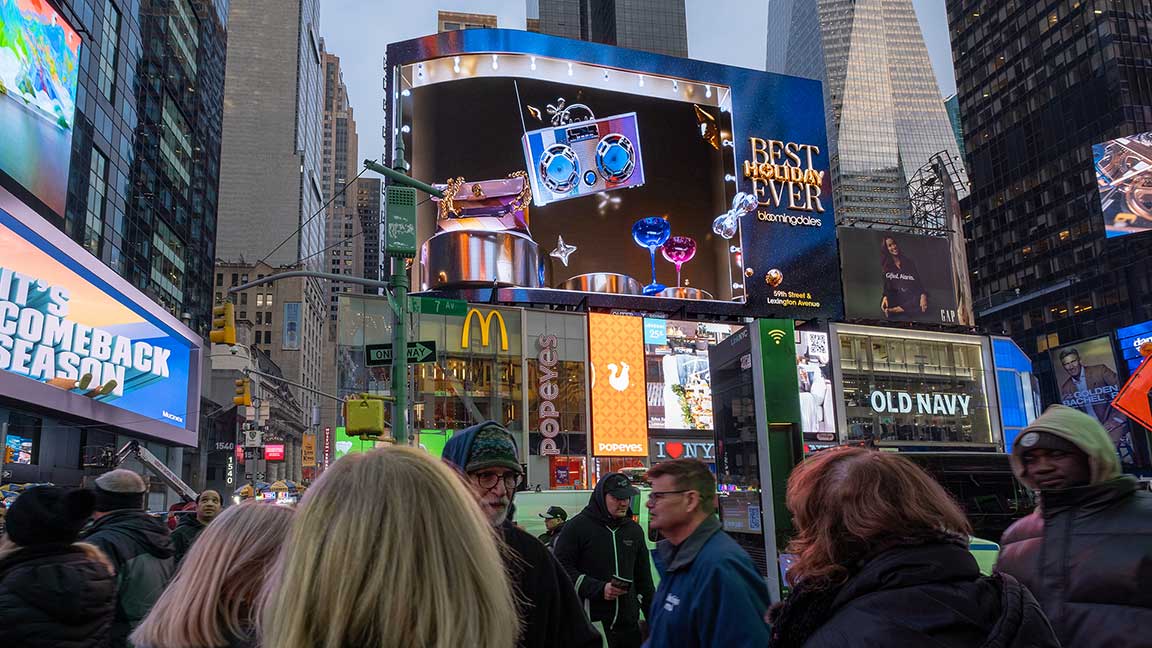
(381, 354)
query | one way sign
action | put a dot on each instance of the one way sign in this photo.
(381, 354)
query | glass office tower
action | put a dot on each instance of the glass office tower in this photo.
(882, 104)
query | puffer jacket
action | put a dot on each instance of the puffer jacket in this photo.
(921, 595)
(141, 551)
(56, 596)
(1086, 553)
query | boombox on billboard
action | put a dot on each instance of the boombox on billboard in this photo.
(583, 158)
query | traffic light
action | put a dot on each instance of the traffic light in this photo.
(223, 324)
(364, 417)
(243, 392)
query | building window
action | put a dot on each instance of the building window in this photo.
(259, 299)
(168, 263)
(97, 192)
(268, 318)
(243, 315)
(268, 299)
(109, 39)
(452, 21)
(244, 299)
(259, 318)
(219, 278)
(267, 337)
(234, 275)
(176, 144)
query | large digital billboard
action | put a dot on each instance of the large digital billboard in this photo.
(897, 277)
(39, 68)
(1124, 178)
(1131, 338)
(1086, 379)
(671, 173)
(678, 376)
(77, 338)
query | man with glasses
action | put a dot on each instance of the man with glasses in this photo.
(710, 593)
(550, 613)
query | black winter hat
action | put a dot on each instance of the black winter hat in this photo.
(49, 514)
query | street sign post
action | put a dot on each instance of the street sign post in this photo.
(438, 306)
(381, 354)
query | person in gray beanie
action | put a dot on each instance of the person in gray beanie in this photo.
(137, 544)
(1086, 551)
(54, 591)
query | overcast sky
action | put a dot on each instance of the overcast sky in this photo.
(357, 32)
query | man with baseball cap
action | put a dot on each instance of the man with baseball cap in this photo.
(1086, 550)
(605, 553)
(549, 610)
(554, 519)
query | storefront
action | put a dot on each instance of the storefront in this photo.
(915, 389)
(87, 361)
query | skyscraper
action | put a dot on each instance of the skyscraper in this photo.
(883, 108)
(146, 151)
(652, 25)
(1039, 84)
(271, 188)
(344, 243)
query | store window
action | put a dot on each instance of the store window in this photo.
(908, 390)
(22, 441)
(557, 400)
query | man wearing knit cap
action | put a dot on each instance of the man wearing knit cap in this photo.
(137, 544)
(1086, 551)
(549, 610)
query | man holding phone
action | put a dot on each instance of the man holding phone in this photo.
(605, 553)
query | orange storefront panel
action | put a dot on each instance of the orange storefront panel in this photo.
(619, 406)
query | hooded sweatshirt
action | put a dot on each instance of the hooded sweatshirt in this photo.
(188, 529)
(142, 554)
(1085, 552)
(594, 547)
(550, 613)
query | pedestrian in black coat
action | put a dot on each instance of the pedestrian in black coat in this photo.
(54, 592)
(1086, 551)
(600, 543)
(881, 559)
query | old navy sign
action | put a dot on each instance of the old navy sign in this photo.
(886, 402)
(697, 448)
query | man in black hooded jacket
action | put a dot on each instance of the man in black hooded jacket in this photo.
(605, 554)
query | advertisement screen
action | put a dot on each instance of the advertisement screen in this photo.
(1131, 338)
(817, 401)
(21, 448)
(83, 341)
(39, 66)
(274, 452)
(679, 384)
(728, 166)
(897, 277)
(1123, 176)
(619, 412)
(1086, 379)
(291, 339)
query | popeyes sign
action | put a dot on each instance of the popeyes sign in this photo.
(548, 391)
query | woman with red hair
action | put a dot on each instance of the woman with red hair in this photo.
(881, 559)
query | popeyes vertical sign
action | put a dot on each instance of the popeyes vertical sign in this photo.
(548, 390)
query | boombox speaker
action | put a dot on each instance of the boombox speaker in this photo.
(584, 158)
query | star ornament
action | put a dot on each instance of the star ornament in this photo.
(562, 251)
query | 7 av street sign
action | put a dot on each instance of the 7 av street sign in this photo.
(381, 354)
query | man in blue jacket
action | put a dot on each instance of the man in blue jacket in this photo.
(710, 593)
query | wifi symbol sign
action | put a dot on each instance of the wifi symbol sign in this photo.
(777, 335)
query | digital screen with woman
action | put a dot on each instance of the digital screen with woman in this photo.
(912, 282)
(904, 294)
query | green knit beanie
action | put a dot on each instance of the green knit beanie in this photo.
(492, 447)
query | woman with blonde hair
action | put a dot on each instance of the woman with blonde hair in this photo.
(881, 559)
(389, 550)
(214, 599)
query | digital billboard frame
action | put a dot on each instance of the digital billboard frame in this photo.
(72, 262)
(777, 125)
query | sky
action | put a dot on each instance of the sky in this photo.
(357, 32)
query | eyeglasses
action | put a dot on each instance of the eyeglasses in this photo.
(656, 496)
(488, 480)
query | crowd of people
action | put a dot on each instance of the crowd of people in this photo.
(393, 548)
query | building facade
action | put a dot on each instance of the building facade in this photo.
(369, 198)
(1039, 83)
(143, 187)
(344, 244)
(658, 26)
(882, 105)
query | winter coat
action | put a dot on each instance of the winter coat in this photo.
(550, 613)
(56, 596)
(141, 551)
(1086, 553)
(710, 594)
(923, 595)
(548, 538)
(549, 610)
(185, 535)
(596, 546)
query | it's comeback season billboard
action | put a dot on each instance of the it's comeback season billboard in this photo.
(77, 338)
